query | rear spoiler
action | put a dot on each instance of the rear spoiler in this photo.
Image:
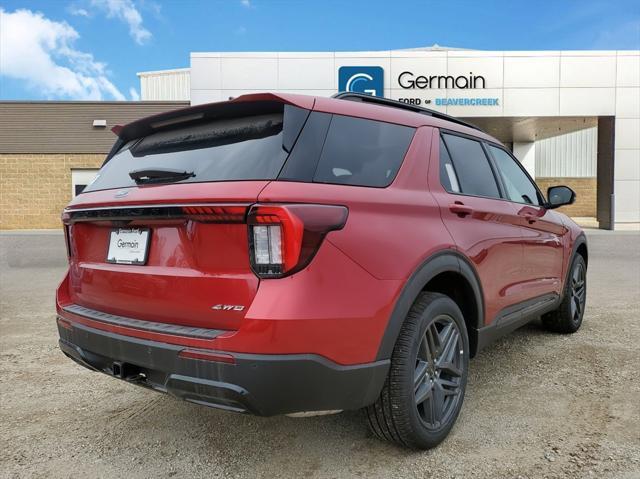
(253, 104)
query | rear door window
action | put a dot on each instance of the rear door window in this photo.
(362, 152)
(474, 174)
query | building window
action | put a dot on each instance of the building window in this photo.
(80, 178)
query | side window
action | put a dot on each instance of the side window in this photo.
(302, 162)
(474, 174)
(448, 176)
(362, 152)
(519, 187)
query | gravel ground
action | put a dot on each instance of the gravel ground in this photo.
(537, 404)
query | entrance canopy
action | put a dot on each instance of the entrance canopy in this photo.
(511, 129)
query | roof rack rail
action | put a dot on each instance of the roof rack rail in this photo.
(364, 98)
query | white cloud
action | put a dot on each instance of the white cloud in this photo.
(125, 11)
(246, 3)
(41, 52)
(133, 93)
(78, 12)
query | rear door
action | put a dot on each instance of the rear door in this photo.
(484, 226)
(542, 229)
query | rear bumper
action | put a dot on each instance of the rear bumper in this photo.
(260, 384)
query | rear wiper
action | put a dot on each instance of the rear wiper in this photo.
(159, 175)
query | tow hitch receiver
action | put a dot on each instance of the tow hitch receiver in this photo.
(128, 372)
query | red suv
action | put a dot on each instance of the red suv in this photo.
(279, 254)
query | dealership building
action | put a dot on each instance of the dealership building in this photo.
(571, 117)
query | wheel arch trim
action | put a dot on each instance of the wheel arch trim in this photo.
(580, 240)
(443, 261)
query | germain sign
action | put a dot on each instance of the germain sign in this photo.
(361, 79)
(408, 80)
(370, 80)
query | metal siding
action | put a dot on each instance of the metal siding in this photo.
(171, 85)
(572, 155)
(67, 127)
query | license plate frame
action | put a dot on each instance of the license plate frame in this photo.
(131, 243)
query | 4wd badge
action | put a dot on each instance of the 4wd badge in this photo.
(228, 307)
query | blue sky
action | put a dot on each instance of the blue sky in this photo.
(92, 49)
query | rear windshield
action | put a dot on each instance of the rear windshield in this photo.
(249, 148)
(292, 144)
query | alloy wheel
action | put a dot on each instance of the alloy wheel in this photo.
(438, 372)
(578, 292)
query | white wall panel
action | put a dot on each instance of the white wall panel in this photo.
(628, 103)
(627, 201)
(472, 53)
(364, 55)
(527, 72)
(627, 165)
(249, 55)
(628, 70)
(205, 73)
(249, 73)
(416, 54)
(531, 54)
(588, 71)
(587, 101)
(531, 101)
(306, 73)
(330, 55)
(628, 133)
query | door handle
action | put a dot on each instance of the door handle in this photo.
(530, 217)
(460, 209)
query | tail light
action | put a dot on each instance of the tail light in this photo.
(283, 239)
(216, 214)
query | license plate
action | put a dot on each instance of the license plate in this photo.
(128, 246)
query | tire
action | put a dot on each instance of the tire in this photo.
(422, 369)
(567, 318)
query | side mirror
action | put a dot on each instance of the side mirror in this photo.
(560, 196)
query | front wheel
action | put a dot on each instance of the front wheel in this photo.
(568, 317)
(424, 391)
